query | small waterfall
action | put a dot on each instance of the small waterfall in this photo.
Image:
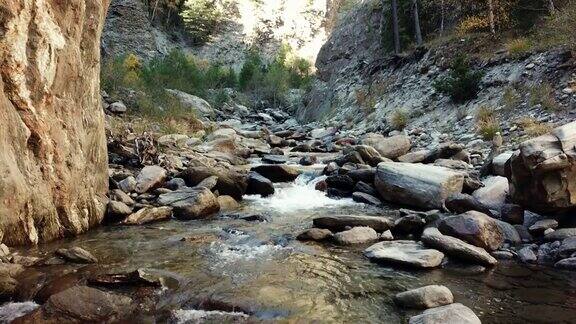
(298, 196)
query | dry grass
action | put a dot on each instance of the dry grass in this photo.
(542, 94)
(510, 98)
(399, 119)
(532, 127)
(485, 113)
(488, 128)
(518, 47)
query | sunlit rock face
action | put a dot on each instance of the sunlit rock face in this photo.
(53, 161)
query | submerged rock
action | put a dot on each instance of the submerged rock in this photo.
(425, 297)
(404, 253)
(365, 198)
(315, 234)
(453, 313)
(76, 255)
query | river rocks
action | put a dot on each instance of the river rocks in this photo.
(81, 304)
(560, 234)
(277, 173)
(425, 297)
(404, 253)
(259, 185)
(527, 254)
(339, 223)
(121, 196)
(274, 159)
(76, 255)
(195, 104)
(363, 187)
(542, 225)
(513, 214)
(128, 184)
(461, 203)
(356, 235)
(208, 183)
(230, 182)
(475, 228)
(308, 160)
(7, 286)
(369, 154)
(453, 313)
(417, 185)
(149, 177)
(227, 203)
(148, 215)
(315, 234)
(117, 211)
(493, 194)
(388, 147)
(510, 233)
(566, 264)
(543, 172)
(409, 224)
(53, 161)
(501, 162)
(191, 203)
(365, 198)
(340, 182)
(567, 247)
(456, 248)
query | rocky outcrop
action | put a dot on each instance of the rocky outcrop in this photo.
(53, 161)
(543, 173)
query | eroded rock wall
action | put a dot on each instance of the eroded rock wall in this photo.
(53, 161)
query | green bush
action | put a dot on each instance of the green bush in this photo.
(462, 84)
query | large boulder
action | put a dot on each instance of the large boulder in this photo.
(259, 185)
(150, 177)
(148, 215)
(53, 161)
(417, 185)
(493, 194)
(404, 253)
(230, 182)
(475, 228)
(356, 235)
(195, 104)
(543, 172)
(388, 147)
(191, 203)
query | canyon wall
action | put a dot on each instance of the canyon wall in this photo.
(53, 160)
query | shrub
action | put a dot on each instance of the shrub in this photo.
(518, 47)
(510, 98)
(462, 84)
(399, 119)
(542, 94)
(488, 128)
(532, 127)
(485, 113)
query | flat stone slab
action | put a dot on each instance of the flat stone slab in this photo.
(404, 253)
(456, 248)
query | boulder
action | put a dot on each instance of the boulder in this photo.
(456, 248)
(404, 253)
(195, 104)
(150, 177)
(315, 234)
(369, 154)
(117, 211)
(341, 182)
(366, 188)
(567, 247)
(453, 313)
(81, 304)
(560, 234)
(339, 223)
(277, 173)
(461, 203)
(566, 264)
(417, 185)
(501, 162)
(230, 182)
(425, 297)
(542, 225)
(512, 213)
(128, 184)
(409, 224)
(510, 233)
(76, 255)
(527, 254)
(8, 286)
(475, 228)
(191, 203)
(388, 147)
(227, 203)
(493, 194)
(356, 235)
(208, 183)
(117, 107)
(365, 175)
(365, 198)
(543, 172)
(414, 157)
(53, 160)
(259, 185)
(148, 215)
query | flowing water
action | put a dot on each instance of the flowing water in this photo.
(264, 271)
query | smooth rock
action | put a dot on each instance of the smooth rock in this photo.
(76, 255)
(277, 173)
(493, 194)
(456, 248)
(425, 297)
(339, 223)
(475, 228)
(315, 234)
(560, 234)
(365, 198)
(227, 203)
(191, 203)
(150, 177)
(388, 147)
(540, 226)
(404, 253)
(449, 314)
(148, 215)
(356, 235)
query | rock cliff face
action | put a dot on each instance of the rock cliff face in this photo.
(53, 161)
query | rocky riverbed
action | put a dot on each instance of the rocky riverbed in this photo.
(265, 219)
